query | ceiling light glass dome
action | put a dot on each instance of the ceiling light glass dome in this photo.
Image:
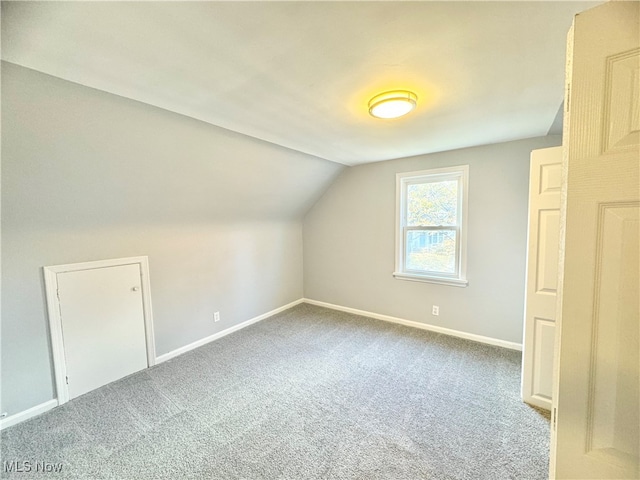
(392, 104)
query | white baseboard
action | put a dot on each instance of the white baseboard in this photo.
(27, 414)
(424, 326)
(46, 406)
(216, 336)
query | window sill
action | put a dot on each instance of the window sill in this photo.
(412, 277)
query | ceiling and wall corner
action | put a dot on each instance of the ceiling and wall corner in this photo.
(556, 126)
(300, 74)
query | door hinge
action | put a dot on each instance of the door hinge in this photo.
(555, 414)
(58, 294)
(67, 378)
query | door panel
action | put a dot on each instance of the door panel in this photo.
(542, 276)
(613, 405)
(622, 104)
(543, 345)
(102, 325)
(596, 395)
(547, 254)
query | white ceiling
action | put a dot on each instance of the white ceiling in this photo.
(300, 74)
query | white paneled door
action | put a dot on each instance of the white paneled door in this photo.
(542, 276)
(103, 325)
(597, 398)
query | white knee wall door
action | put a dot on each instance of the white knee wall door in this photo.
(100, 323)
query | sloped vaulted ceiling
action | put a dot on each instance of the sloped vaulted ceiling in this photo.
(76, 157)
(299, 74)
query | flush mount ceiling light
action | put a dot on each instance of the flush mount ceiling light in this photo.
(392, 104)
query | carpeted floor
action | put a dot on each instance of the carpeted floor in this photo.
(309, 393)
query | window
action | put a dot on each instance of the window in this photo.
(431, 225)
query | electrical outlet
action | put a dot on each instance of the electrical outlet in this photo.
(435, 310)
(216, 317)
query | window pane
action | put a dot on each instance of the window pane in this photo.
(431, 250)
(432, 204)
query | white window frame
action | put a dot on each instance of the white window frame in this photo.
(459, 173)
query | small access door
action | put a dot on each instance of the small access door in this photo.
(101, 321)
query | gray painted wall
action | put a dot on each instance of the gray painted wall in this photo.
(349, 241)
(87, 175)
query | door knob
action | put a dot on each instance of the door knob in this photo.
(135, 289)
